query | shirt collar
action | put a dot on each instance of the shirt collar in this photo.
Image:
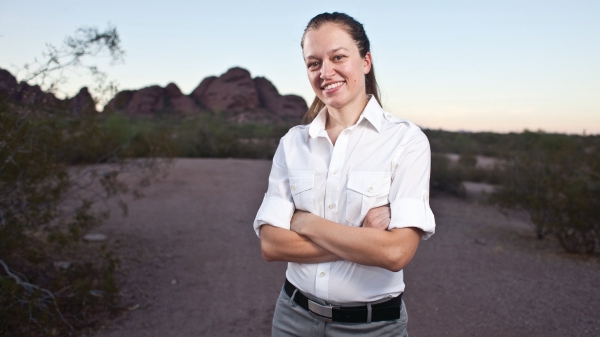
(372, 113)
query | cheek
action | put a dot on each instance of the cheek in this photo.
(314, 79)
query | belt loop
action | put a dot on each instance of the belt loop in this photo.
(292, 298)
(368, 312)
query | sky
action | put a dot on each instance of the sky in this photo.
(455, 65)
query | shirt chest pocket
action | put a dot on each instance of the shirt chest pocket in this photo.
(302, 189)
(366, 190)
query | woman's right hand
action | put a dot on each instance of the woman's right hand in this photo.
(378, 218)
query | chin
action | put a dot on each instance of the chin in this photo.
(335, 102)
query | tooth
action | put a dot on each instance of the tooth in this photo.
(333, 85)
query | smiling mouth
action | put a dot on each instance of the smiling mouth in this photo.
(333, 86)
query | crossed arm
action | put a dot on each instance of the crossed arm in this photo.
(313, 239)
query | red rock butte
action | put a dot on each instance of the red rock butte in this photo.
(33, 95)
(235, 94)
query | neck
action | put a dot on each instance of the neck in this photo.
(346, 116)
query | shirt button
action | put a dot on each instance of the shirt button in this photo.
(322, 274)
(371, 189)
(330, 206)
(293, 187)
(388, 116)
(334, 171)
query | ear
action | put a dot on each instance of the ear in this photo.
(368, 61)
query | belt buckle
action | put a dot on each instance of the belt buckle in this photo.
(322, 312)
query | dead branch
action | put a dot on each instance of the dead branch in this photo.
(30, 288)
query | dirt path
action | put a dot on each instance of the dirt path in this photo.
(192, 263)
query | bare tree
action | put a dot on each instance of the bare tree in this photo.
(77, 52)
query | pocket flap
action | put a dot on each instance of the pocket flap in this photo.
(301, 181)
(370, 183)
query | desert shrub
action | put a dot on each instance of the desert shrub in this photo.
(212, 135)
(51, 283)
(446, 176)
(467, 161)
(469, 171)
(575, 212)
(492, 176)
(138, 139)
(46, 209)
(527, 187)
(556, 182)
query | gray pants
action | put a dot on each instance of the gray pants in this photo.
(292, 320)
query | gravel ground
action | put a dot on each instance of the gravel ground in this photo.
(191, 266)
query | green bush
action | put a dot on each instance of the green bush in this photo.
(214, 136)
(556, 181)
(446, 176)
(208, 134)
(46, 209)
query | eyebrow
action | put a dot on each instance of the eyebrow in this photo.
(329, 52)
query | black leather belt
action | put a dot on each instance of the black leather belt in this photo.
(384, 311)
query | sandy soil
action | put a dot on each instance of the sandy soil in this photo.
(191, 264)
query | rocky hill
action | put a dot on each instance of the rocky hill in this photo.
(33, 95)
(235, 94)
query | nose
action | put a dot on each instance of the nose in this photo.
(327, 70)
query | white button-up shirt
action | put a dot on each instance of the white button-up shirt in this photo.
(378, 161)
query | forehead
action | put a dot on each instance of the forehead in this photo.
(328, 37)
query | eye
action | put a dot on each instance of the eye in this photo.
(313, 64)
(338, 57)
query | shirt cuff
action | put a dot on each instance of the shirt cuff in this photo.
(408, 212)
(274, 211)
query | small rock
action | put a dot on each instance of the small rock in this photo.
(173, 282)
(134, 307)
(95, 237)
(480, 242)
(96, 293)
(62, 264)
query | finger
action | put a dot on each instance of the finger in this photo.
(380, 225)
(382, 216)
(386, 222)
(375, 214)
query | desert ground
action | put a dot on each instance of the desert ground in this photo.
(191, 265)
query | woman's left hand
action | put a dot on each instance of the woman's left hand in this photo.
(378, 218)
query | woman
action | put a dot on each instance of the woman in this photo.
(347, 201)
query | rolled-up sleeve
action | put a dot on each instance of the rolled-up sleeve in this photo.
(277, 207)
(409, 193)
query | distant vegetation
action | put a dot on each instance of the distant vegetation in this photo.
(207, 135)
(501, 145)
(552, 178)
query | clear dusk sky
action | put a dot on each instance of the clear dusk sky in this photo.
(456, 65)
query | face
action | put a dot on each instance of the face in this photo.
(336, 70)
